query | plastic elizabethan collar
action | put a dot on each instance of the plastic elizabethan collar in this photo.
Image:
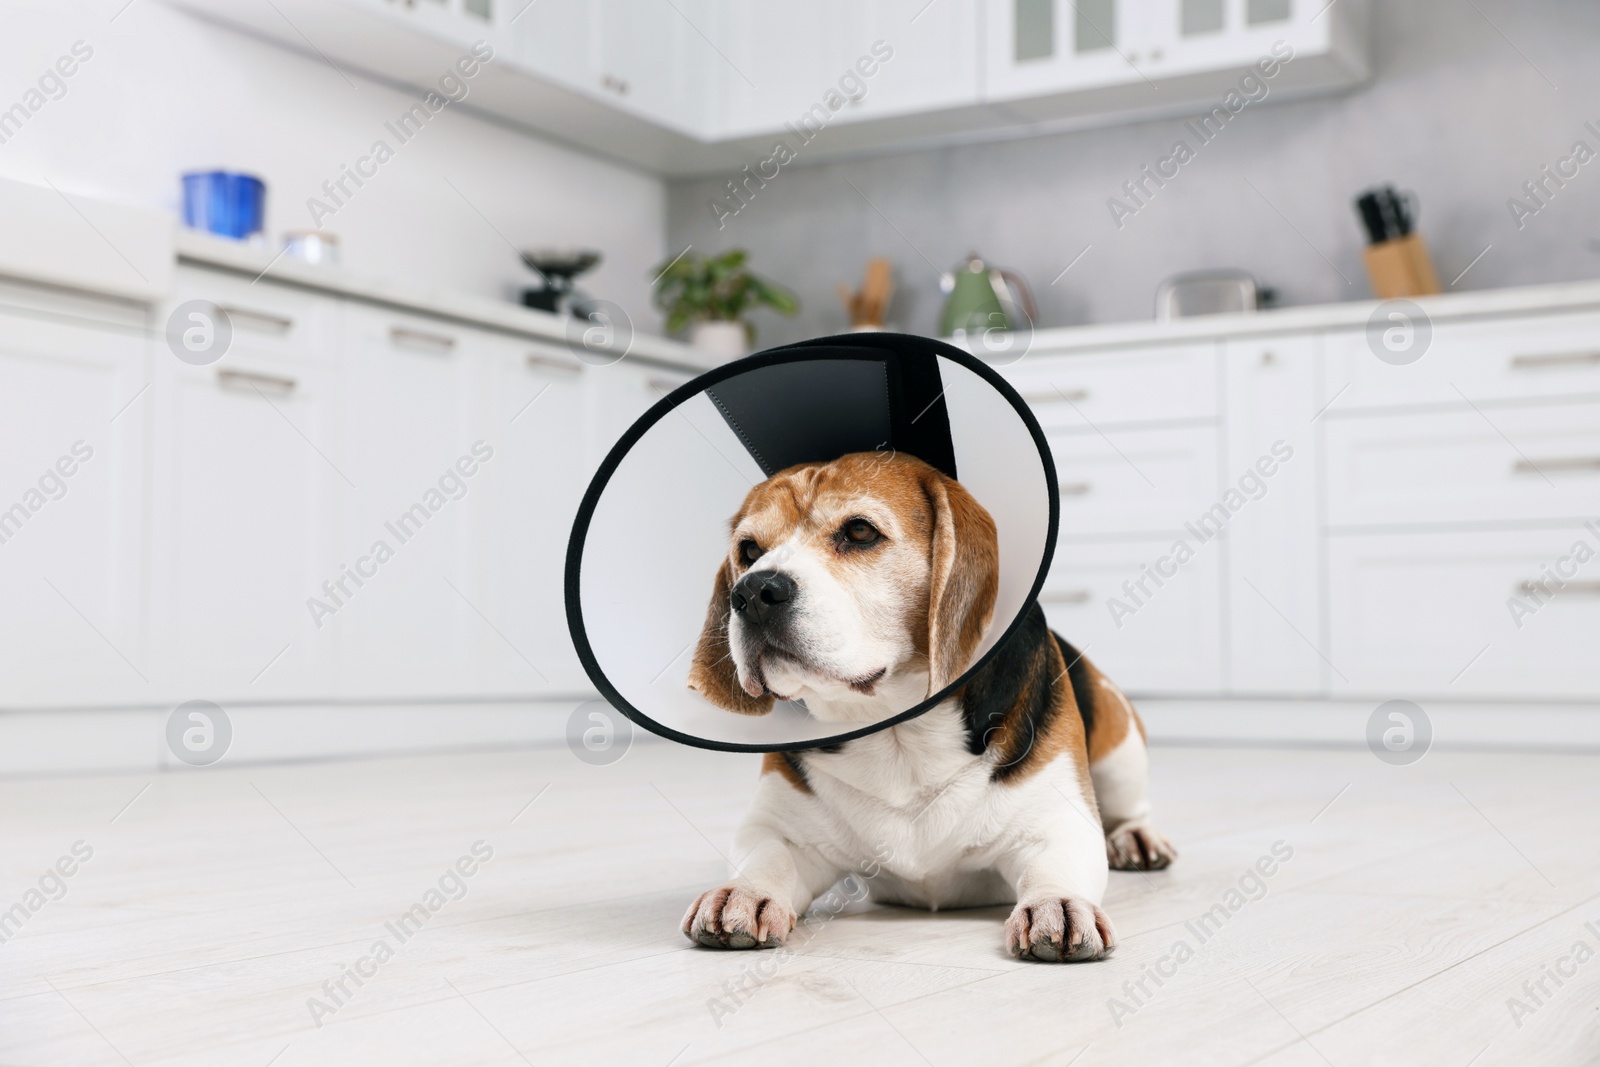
(653, 525)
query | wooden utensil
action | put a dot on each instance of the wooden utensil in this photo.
(869, 307)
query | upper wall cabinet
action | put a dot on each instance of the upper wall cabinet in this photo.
(810, 65)
(684, 87)
(1060, 59)
(463, 21)
(655, 59)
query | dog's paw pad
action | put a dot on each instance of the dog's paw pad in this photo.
(737, 916)
(1059, 930)
(1138, 847)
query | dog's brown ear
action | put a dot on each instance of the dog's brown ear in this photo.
(713, 674)
(964, 582)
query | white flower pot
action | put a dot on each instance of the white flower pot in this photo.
(720, 338)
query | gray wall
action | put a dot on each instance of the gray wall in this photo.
(1456, 112)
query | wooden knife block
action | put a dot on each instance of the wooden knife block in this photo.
(1401, 267)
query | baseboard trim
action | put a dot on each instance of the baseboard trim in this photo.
(65, 741)
(1336, 723)
(61, 741)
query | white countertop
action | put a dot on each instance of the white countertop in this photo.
(1479, 303)
(205, 250)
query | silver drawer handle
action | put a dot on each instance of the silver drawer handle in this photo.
(1545, 589)
(1564, 463)
(555, 363)
(412, 338)
(1071, 396)
(253, 382)
(1555, 359)
(265, 322)
(1075, 488)
(1073, 596)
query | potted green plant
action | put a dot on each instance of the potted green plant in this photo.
(710, 295)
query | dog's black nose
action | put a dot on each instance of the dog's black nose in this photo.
(760, 595)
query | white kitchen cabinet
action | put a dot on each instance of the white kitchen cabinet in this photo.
(556, 39)
(656, 60)
(244, 499)
(1153, 639)
(522, 515)
(1134, 384)
(934, 64)
(408, 439)
(1404, 359)
(1430, 615)
(781, 59)
(1050, 46)
(697, 87)
(1270, 470)
(245, 492)
(809, 66)
(1135, 481)
(1528, 463)
(461, 21)
(618, 394)
(74, 416)
(1068, 58)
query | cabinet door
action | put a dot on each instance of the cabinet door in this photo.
(557, 39)
(781, 58)
(1508, 614)
(407, 629)
(1040, 47)
(523, 514)
(1271, 468)
(73, 417)
(619, 394)
(1153, 639)
(460, 21)
(245, 493)
(1191, 35)
(1135, 481)
(933, 56)
(655, 59)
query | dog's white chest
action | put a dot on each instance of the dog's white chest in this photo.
(917, 802)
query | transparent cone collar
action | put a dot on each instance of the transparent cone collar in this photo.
(652, 530)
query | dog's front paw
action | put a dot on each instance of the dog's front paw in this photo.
(1138, 847)
(738, 915)
(1059, 930)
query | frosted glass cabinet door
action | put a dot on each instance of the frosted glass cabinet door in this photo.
(1040, 47)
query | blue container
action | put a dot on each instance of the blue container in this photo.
(223, 203)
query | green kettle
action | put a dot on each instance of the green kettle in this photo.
(980, 300)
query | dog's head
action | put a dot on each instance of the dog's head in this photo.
(850, 585)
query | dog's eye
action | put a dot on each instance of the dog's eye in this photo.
(861, 532)
(749, 551)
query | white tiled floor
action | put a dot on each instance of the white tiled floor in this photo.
(1418, 900)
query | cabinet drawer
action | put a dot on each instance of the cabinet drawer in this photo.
(1457, 466)
(1498, 359)
(1080, 392)
(266, 318)
(1171, 641)
(381, 333)
(1135, 481)
(1409, 612)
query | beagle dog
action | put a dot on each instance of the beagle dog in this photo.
(859, 587)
